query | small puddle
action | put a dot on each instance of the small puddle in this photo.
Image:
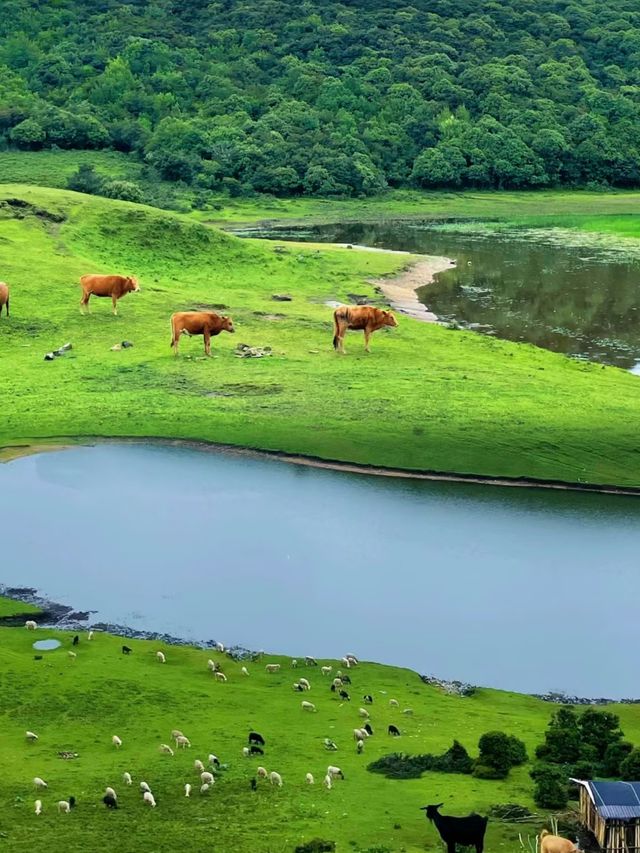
(46, 645)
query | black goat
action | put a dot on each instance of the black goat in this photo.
(254, 784)
(254, 737)
(110, 801)
(368, 699)
(126, 650)
(72, 802)
(256, 750)
(344, 695)
(345, 679)
(76, 640)
(333, 688)
(394, 730)
(467, 831)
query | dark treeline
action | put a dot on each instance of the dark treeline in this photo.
(332, 98)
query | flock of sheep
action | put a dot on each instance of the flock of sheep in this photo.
(256, 741)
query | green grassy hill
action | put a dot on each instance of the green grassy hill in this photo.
(77, 705)
(425, 398)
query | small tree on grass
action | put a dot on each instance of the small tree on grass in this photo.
(86, 180)
(551, 787)
(630, 766)
(499, 752)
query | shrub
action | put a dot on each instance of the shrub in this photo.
(455, 760)
(551, 787)
(614, 756)
(501, 752)
(399, 766)
(123, 190)
(630, 766)
(484, 771)
(316, 845)
(86, 180)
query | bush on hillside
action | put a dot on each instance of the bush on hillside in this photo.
(123, 190)
(614, 756)
(499, 752)
(399, 766)
(484, 771)
(630, 767)
(551, 786)
(316, 845)
(591, 740)
(86, 180)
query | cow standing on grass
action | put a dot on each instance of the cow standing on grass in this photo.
(115, 286)
(364, 317)
(4, 297)
(205, 323)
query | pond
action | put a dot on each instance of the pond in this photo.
(581, 302)
(523, 589)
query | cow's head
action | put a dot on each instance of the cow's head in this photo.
(389, 319)
(431, 811)
(132, 284)
(227, 324)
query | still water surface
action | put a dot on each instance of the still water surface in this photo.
(581, 302)
(524, 589)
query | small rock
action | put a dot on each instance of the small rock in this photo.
(282, 297)
(126, 344)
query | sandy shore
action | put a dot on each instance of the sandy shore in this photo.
(400, 290)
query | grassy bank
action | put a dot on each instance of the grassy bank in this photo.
(77, 705)
(426, 398)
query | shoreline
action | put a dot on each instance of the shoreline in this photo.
(63, 617)
(401, 289)
(10, 453)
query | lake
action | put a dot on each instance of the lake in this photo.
(523, 589)
(581, 302)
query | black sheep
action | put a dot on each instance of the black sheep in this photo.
(254, 784)
(126, 650)
(394, 730)
(76, 640)
(345, 679)
(110, 801)
(254, 737)
(256, 750)
(345, 695)
(368, 729)
(368, 699)
(467, 831)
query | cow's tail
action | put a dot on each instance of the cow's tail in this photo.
(543, 833)
(173, 332)
(7, 304)
(338, 314)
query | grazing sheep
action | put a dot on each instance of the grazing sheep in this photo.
(30, 625)
(246, 751)
(359, 746)
(329, 744)
(256, 750)
(261, 773)
(393, 730)
(204, 788)
(115, 740)
(38, 807)
(161, 657)
(325, 670)
(345, 661)
(297, 686)
(90, 635)
(109, 792)
(327, 782)
(275, 778)
(126, 650)
(367, 728)
(149, 798)
(205, 776)
(367, 699)
(309, 779)
(393, 703)
(213, 759)
(272, 667)
(110, 802)
(363, 712)
(304, 683)
(75, 641)
(244, 670)
(337, 682)
(126, 778)
(357, 734)
(72, 655)
(308, 706)
(220, 647)
(39, 783)
(144, 787)
(32, 736)
(176, 733)
(353, 660)
(198, 765)
(335, 772)
(165, 748)
(407, 711)
(219, 676)
(64, 806)
(309, 661)
(344, 695)
(212, 665)
(345, 678)
(256, 737)
(294, 663)
(183, 742)
(187, 790)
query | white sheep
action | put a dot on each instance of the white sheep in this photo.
(309, 779)
(359, 746)
(176, 733)
(64, 806)
(212, 665)
(219, 647)
(272, 667)
(30, 625)
(204, 788)
(345, 661)
(327, 782)
(246, 751)
(72, 655)
(90, 635)
(109, 792)
(337, 682)
(275, 778)
(205, 776)
(187, 790)
(183, 742)
(335, 772)
(304, 683)
(308, 706)
(262, 773)
(161, 657)
(357, 734)
(165, 748)
(244, 670)
(353, 660)
(39, 783)
(198, 765)
(407, 711)
(363, 712)
(149, 798)
(126, 778)
(393, 703)
(145, 788)
(325, 670)
(115, 740)
(38, 807)
(213, 759)
(220, 676)
(32, 736)
(294, 662)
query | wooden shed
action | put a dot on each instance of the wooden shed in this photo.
(611, 811)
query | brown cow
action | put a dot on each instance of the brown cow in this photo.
(205, 323)
(115, 286)
(555, 844)
(4, 297)
(364, 317)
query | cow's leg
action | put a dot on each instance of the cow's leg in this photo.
(367, 335)
(114, 300)
(207, 343)
(84, 302)
(176, 341)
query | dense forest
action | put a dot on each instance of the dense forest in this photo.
(331, 98)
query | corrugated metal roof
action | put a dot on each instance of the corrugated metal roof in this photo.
(616, 800)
